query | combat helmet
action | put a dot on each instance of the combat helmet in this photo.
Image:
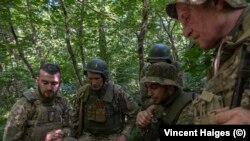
(159, 52)
(98, 66)
(162, 73)
(171, 10)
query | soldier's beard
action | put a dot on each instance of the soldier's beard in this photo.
(96, 87)
(47, 96)
(99, 87)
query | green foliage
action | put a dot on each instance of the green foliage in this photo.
(2, 124)
(197, 63)
(40, 28)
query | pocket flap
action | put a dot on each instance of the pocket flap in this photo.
(207, 96)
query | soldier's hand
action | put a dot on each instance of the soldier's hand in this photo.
(54, 135)
(151, 109)
(120, 138)
(237, 115)
(144, 118)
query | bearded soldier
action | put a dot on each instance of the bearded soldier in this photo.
(170, 104)
(41, 114)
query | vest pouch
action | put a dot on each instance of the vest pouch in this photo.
(100, 115)
(91, 112)
(48, 119)
(205, 107)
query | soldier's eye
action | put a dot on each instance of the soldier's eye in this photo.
(153, 86)
(54, 83)
(45, 82)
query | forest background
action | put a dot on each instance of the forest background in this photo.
(72, 32)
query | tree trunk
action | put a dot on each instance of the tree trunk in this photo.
(80, 35)
(103, 42)
(20, 53)
(102, 34)
(34, 35)
(68, 44)
(170, 30)
(142, 33)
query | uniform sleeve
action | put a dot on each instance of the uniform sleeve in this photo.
(17, 120)
(128, 107)
(67, 130)
(75, 121)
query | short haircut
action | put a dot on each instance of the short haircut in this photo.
(50, 68)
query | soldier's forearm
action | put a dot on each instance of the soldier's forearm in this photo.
(127, 130)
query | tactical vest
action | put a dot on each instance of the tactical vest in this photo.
(42, 119)
(170, 115)
(219, 90)
(101, 116)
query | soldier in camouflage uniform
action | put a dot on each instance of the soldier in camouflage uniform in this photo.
(101, 107)
(158, 53)
(170, 104)
(222, 25)
(41, 114)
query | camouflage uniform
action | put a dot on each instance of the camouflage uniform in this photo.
(100, 115)
(30, 119)
(176, 110)
(221, 84)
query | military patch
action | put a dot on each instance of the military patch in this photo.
(51, 116)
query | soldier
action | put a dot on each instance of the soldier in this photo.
(101, 107)
(222, 25)
(170, 104)
(158, 53)
(41, 114)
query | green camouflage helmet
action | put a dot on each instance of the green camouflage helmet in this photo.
(159, 52)
(162, 73)
(98, 66)
(171, 10)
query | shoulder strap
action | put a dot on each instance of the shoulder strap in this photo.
(243, 76)
(109, 93)
(82, 97)
(116, 95)
(83, 92)
(33, 99)
(30, 95)
(178, 105)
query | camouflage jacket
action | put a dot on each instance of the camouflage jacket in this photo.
(23, 123)
(220, 87)
(125, 103)
(144, 95)
(177, 110)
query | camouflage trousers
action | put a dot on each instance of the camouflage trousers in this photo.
(91, 137)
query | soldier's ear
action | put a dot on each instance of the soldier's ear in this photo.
(37, 79)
